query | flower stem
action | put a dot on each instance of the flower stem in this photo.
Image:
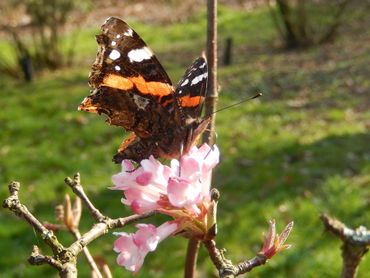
(191, 258)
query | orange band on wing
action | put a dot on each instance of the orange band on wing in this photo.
(188, 101)
(117, 82)
(152, 87)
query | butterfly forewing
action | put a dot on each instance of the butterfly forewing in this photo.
(124, 52)
(124, 62)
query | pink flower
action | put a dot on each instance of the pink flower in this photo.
(127, 177)
(144, 186)
(133, 248)
(274, 243)
(154, 186)
(197, 165)
(181, 191)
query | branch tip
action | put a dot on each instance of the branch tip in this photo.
(77, 178)
(36, 258)
(14, 187)
(355, 243)
(69, 181)
(215, 194)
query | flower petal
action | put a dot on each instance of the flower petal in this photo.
(141, 201)
(130, 256)
(133, 248)
(182, 193)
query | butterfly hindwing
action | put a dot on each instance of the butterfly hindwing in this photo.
(191, 89)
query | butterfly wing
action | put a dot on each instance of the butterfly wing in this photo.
(128, 81)
(130, 86)
(191, 90)
(190, 95)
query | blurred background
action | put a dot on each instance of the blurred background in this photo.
(301, 149)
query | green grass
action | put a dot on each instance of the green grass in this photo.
(301, 149)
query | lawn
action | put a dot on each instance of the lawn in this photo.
(301, 149)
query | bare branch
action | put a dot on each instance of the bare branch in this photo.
(360, 236)
(355, 244)
(102, 228)
(225, 267)
(37, 258)
(64, 259)
(248, 265)
(12, 203)
(212, 86)
(70, 216)
(75, 184)
(273, 245)
(88, 256)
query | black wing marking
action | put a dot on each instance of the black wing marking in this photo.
(191, 89)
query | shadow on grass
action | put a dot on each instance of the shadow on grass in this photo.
(296, 168)
(295, 182)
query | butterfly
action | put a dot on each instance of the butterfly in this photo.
(132, 89)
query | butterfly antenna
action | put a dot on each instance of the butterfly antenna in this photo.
(240, 102)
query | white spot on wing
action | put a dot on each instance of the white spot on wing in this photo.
(202, 66)
(138, 55)
(117, 68)
(199, 78)
(114, 55)
(186, 81)
(128, 33)
(118, 36)
(113, 43)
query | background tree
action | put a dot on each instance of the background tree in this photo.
(298, 24)
(47, 21)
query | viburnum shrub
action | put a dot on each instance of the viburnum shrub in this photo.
(182, 191)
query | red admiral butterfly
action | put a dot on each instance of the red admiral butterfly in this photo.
(130, 86)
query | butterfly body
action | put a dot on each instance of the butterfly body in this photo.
(130, 86)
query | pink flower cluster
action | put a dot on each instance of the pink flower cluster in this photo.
(181, 191)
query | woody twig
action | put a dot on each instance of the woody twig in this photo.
(226, 269)
(273, 244)
(355, 243)
(64, 259)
